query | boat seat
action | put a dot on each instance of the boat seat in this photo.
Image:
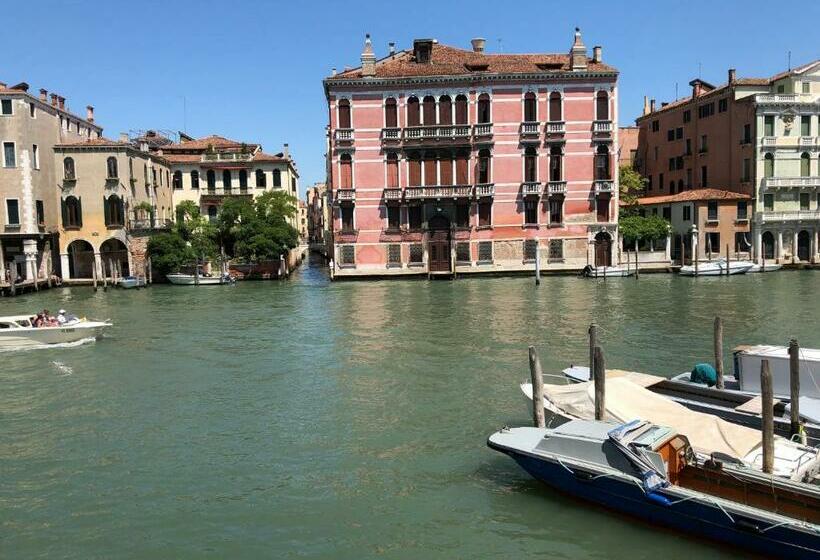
(754, 405)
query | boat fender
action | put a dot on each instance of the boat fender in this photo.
(658, 499)
(748, 525)
(583, 476)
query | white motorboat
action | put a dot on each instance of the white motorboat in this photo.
(18, 332)
(130, 282)
(191, 280)
(606, 271)
(766, 267)
(717, 268)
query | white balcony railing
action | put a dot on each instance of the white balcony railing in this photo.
(392, 194)
(531, 188)
(789, 182)
(768, 141)
(343, 134)
(788, 216)
(530, 128)
(603, 186)
(808, 141)
(346, 195)
(557, 187)
(483, 129)
(556, 127)
(602, 126)
(442, 132)
(783, 98)
(391, 133)
(227, 156)
(484, 189)
(414, 193)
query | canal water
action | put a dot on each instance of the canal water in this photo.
(309, 419)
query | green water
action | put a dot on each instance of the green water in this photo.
(304, 419)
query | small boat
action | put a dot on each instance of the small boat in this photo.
(130, 282)
(204, 280)
(626, 398)
(17, 332)
(650, 471)
(606, 271)
(716, 268)
(765, 267)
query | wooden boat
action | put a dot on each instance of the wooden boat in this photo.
(716, 268)
(627, 398)
(17, 332)
(180, 279)
(649, 471)
(606, 271)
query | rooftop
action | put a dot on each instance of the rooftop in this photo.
(696, 195)
(57, 102)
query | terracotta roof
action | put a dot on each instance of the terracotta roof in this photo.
(259, 157)
(693, 196)
(91, 142)
(263, 157)
(451, 61)
(22, 89)
(218, 142)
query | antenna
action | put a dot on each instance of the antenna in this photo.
(676, 91)
(789, 57)
(184, 115)
(500, 45)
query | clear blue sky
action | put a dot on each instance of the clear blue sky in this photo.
(253, 70)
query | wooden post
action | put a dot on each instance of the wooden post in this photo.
(767, 408)
(728, 262)
(593, 342)
(537, 389)
(196, 272)
(599, 379)
(150, 272)
(13, 277)
(794, 385)
(682, 251)
(636, 264)
(537, 263)
(763, 256)
(94, 274)
(719, 352)
(104, 279)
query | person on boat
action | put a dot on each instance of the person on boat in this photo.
(61, 318)
(705, 374)
(37, 320)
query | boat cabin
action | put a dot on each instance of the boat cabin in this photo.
(15, 322)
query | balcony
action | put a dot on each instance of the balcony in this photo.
(808, 141)
(483, 131)
(346, 195)
(790, 216)
(556, 187)
(768, 141)
(439, 192)
(392, 194)
(484, 190)
(436, 134)
(530, 131)
(343, 136)
(531, 188)
(774, 99)
(145, 224)
(556, 128)
(604, 186)
(602, 127)
(391, 135)
(414, 193)
(790, 182)
(226, 156)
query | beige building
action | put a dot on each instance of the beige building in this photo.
(318, 214)
(112, 195)
(30, 127)
(303, 222)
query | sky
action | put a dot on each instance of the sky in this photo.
(252, 71)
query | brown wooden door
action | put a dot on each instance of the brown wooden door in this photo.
(439, 252)
(603, 252)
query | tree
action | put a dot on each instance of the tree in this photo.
(265, 233)
(168, 252)
(642, 228)
(632, 185)
(232, 215)
(195, 229)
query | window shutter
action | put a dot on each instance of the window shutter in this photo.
(107, 211)
(121, 206)
(64, 212)
(80, 211)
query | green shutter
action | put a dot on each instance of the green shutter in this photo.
(80, 211)
(121, 204)
(64, 212)
(107, 211)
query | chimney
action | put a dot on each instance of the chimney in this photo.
(22, 86)
(61, 101)
(333, 71)
(286, 151)
(89, 113)
(596, 54)
(53, 99)
(578, 52)
(123, 137)
(391, 48)
(368, 58)
(732, 76)
(646, 105)
(478, 45)
(664, 104)
(143, 146)
(43, 95)
(651, 105)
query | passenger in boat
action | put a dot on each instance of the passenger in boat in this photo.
(705, 374)
(61, 318)
(37, 320)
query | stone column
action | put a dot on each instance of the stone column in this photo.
(2, 263)
(98, 265)
(30, 252)
(813, 246)
(779, 249)
(65, 268)
(668, 254)
(758, 247)
(794, 245)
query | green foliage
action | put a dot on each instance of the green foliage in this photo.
(265, 232)
(196, 230)
(632, 185)
(145, 206)
(639, 228)
(169, 252)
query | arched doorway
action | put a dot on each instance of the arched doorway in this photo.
(212, 213)
(438, 245)
(114, 252)
(80, 259)
(768, 245)
(603, 249)
(803, 246)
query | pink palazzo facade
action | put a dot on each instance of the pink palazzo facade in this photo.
(443, 160)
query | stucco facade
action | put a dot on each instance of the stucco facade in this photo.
(444, 160)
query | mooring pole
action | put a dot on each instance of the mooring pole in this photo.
(599, 379)
(94, 274)
(537, 263)
(636, 264)
(196, 272)
(767, 409)
(794, 385)
(150, 272)
(728, 262)
(719, 352)
(537, 389)
(593, 342)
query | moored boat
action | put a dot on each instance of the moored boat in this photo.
(606, 271)
(649, 471)
(130, 282)
(18, 332)
(765, 267)
(716, 268)
(191, 280)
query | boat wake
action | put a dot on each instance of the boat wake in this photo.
(25, 347)
(62, 369)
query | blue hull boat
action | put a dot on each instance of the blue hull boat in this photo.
(647, 471)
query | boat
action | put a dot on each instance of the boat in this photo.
(606, 271)
(716, 268)
(627, 398)
(130, 282)
(17, 332)
(204, 280)
(765, 267)
(737, 407)
(649, 471)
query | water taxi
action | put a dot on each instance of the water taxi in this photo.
(17, 332)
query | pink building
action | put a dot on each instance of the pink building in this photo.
(444, 160)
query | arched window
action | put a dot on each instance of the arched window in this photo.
(391, 117)
(430, 170)
(602, 165)
(226, 179)
(768, 165)
(243, 179)
(445, 110)
(344, 113)
(461, 109)
(177, 179)
(114, 211)
(111, 168)
(462, 168)
(72, 211)
(805, 165)
(392, 170)
(194, 179)
(261, 179)
(555, 107)
(414, 168)
(530, 166)
(346, 177)
(483, 167)
(413, 114)
(530, 107)
(68, 169)
(445, 169)
(428, 109)
(483, 108)
(277, 178)
(556, 166)
(602, 106)
(211, 179)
